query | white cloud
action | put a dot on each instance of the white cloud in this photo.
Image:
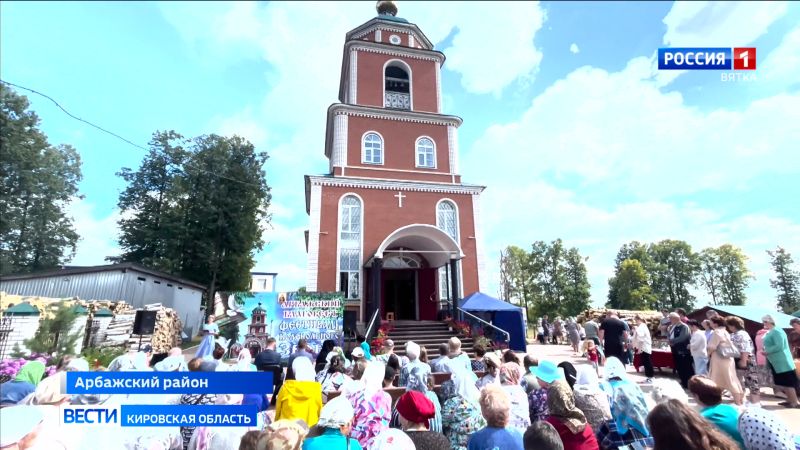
(243, 124)
(573, 48)
(719, 24)
(780, 69)
(98, 233)
(619, 131)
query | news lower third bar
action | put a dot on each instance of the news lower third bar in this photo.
(160, 415)
(169, 383)
(713, 58)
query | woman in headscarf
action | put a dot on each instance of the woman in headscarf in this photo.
(365, 348)
(776, 347)
(49, 396)
(412, 352)
(763, 430)
(415, 412)
(20, 427)
(223, 438)
(419, 381)
(171, 364)
(546, 373)
(509, 380)
(284, 434)
(461, 414)
(392, 439)
(568, 420)
(721, 368)
(676, 425)
(570, 373)
(492, 375)
(333, 429)
(590, 399)
(300, 398)
(210, 332)
(628, 410)
(327, 347)
(12, 392)
(373, 406)
(332, 377)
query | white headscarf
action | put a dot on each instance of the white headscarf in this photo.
(465, 386)
(244, 361)
(412, 350)
(172, 364)
(229, 399)
(615, 369)
(393, 439)
(78, 365)
(336, 413)
(587, 377)
(303, 369)
(373, 377)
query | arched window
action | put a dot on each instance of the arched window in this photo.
(397, 86)
(350, 214)
(372, 149)
(447, 219)
(426, 153)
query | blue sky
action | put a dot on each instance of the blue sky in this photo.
(566, 120)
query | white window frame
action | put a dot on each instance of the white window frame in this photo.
(458, 225)
(403, 65)
(417, 153)
(364, 149)
(350, 244)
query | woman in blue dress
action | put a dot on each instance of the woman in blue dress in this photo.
(210, 332)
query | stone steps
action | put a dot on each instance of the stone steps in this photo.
(428, 334)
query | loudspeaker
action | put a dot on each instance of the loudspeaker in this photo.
(145, 322)
(350, 321)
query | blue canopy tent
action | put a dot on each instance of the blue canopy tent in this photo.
(504, 316)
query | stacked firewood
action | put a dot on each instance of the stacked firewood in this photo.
(167, 333)
(652, 318)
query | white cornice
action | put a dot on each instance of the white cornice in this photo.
(408, 186)
(393, 26)
(399, 51)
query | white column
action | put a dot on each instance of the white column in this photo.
(411, 40)
(452, 145)
(313, 237)
(377, 35)
(339, 150)
(352, 95)
(479, 252)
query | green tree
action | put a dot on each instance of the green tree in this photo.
(636, 251)
(723, 273)
(517, 278)
(674, 270)
(786, 281)
(152, 235)
(54, 335)
(196, 209)
(631, 287)
(576, 291)
(37, 183)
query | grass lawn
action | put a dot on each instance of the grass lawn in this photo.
(191, 343)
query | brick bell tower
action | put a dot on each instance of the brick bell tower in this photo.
(391, 224)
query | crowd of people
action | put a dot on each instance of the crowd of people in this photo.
(337, 400)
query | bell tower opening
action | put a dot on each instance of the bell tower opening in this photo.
(397, 86)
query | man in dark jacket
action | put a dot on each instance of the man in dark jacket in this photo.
(270, 360)
(679, 336)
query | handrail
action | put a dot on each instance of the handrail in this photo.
(371, 323)
(508, 336)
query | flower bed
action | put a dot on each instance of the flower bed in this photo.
(9, 368)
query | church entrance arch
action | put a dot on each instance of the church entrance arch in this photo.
(403, 275)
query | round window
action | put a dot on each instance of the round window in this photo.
(394, 39)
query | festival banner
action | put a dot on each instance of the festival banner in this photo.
(291, 316)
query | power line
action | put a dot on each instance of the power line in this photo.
(118, 136)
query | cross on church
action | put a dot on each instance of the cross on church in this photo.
(400, 198)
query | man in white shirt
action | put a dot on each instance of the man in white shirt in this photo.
(643, 345)
(697, 346)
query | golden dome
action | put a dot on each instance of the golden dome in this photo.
(386, 8)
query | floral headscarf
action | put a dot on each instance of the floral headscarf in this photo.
(31, 372)
(629, 408)
(561, 404)
(510, 373)
(392, 439)
(336, 413)
(284, 435)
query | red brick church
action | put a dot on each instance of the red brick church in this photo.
(392, 225)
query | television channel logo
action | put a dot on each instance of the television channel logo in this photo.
(707, 58)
